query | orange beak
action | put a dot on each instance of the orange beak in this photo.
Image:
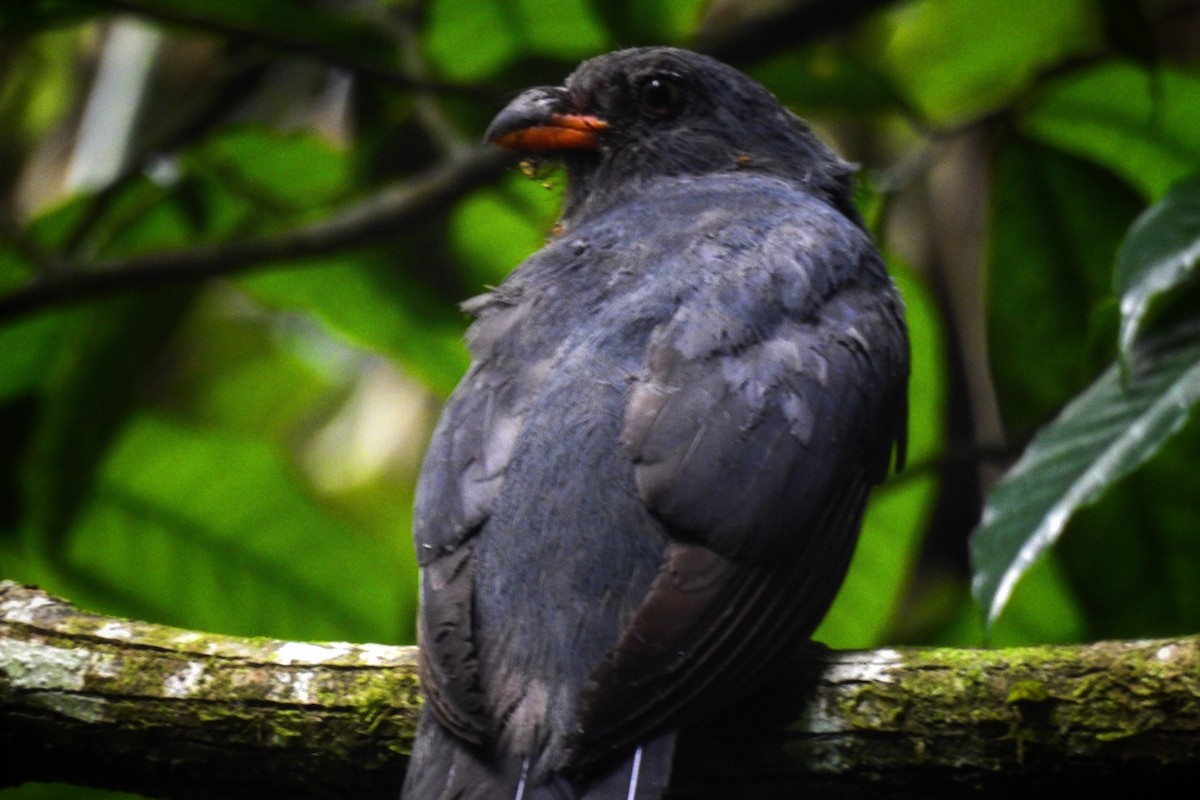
(536, 122)
(562, 132)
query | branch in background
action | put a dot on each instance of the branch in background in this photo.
(105, 702)
(371, 220)
(790, 24)
(298, 39)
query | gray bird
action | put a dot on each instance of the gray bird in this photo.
(650, 482)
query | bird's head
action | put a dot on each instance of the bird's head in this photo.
(633, 116)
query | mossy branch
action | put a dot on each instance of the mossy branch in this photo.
(100, 701)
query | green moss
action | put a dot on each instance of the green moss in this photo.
(1027, 692)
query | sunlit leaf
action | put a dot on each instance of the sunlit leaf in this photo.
(469, 39)
(1102, 436)
(955, 58)
(559, 28)
(282, 172)
(1160, 253)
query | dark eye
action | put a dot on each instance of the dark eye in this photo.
(660, 96)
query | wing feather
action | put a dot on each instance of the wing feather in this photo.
(755, 442)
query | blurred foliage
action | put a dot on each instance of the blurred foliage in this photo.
(235, 450)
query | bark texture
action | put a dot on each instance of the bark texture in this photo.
(113, 703)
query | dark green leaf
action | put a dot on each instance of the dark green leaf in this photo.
(646, 22)
(1160, 253)
(1056, 223)
(1131, 560)
(94, 381)
(827, 78)
(35, 16)
(1128, 29)
(1102, 436)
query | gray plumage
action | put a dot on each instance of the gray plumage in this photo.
(651, 480)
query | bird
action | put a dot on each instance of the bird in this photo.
(648, 485)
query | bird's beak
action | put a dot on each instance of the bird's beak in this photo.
(537, 121)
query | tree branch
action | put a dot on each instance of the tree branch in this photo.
(372, 219)
(345, 40)
(127, 705)
(782, 25)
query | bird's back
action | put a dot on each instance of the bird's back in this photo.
(535, 474)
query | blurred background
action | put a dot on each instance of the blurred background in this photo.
(233, 237)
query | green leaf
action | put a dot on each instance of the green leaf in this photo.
(898, 512)
(373, 303)
(469, 40)
(1055, 226)
(285, 172)
(645, 22)
(1132, 559)
(1100, 437)
(826, 77)
(94, 381)
(494, 230)
(1160, 253)
(959, 58)
(36, 16)
(1137, 123)
(563, 29)
(212, 530)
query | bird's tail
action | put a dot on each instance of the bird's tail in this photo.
(444, 767)
(642, 776)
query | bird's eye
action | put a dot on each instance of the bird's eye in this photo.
(660, 96)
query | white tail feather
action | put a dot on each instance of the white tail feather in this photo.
(521, 783)
(633, 774)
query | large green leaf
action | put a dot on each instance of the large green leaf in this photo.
(213, 530)
(1160, 253)
(1103, 435)
(959, 58)
(1055, 224)
(1138, 123)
